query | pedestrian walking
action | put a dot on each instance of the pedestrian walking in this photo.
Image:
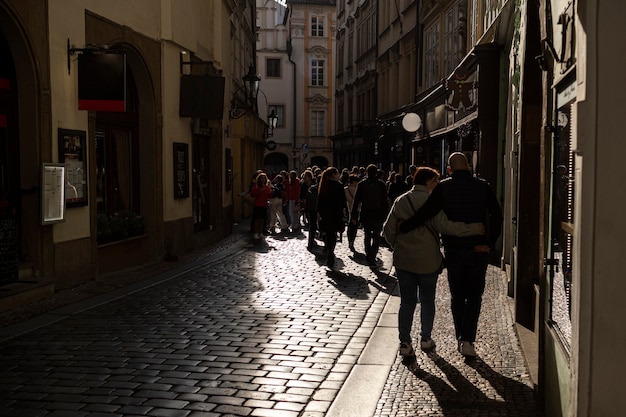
(293, 201)
(261, 194)
(276, 206)
(371, 199)
(350, 191)
(311, 208)
(331, 204)
(305, 183)
(417, 258)
(397, 187)
(463, 198)
(409, 178)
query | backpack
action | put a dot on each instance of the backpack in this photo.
(311, 198)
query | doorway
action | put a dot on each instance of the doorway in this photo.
(9, 170)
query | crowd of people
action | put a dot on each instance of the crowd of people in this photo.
(413, 214)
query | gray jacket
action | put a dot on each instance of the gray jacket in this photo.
(418, 251)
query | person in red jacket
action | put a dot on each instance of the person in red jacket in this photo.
(261, 193)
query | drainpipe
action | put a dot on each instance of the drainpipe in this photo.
(289, 51)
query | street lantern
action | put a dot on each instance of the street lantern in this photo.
(251, 83)
(272, 120)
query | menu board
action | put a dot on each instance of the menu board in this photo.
(53, 193)
(72, 152)
(181, 170)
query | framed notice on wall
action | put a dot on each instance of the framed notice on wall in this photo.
(181, 170)
(73, 154)
(52, 193)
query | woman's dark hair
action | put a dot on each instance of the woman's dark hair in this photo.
(326, 175)
(424, 174)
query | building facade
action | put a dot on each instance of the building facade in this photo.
(356, 128)
(105, 173)
(279, 84)
(311, 27)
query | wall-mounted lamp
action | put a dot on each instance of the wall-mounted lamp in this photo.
(251, 83)
(272, 122)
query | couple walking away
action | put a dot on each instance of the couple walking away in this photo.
(465, 211)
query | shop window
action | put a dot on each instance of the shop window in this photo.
(563, 224)
(117, 171)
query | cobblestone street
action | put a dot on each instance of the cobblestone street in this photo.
(258, 329)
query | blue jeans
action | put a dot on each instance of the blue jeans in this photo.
(416, 288)
(466, 277)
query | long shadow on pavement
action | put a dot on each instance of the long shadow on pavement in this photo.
(458, 396)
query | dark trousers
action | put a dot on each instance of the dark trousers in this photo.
(466, 278)
(311, 215)
(372, 240)
(351, 233)
(330, 241)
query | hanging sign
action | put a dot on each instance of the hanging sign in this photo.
(461, 91)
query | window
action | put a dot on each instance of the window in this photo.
(117, 180)
(453, 44)
(272, 68)
(317, 72)
(431, 55)
(318, 123)
(280, 113)
(317, 26)
(340, 57)
(117, 157)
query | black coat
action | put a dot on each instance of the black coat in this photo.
(331, 206)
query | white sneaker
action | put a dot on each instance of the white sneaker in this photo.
(427, 344)
(406, 349)
(467, 348)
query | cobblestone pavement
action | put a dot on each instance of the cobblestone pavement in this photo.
(496, 383)
(265, 331)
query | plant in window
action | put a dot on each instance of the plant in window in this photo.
(119, 226)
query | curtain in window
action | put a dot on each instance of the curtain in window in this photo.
(121, 152)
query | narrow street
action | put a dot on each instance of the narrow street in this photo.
(259, 329)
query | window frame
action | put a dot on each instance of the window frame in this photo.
(317, 26)
(276, 64)
(432, 54)
(318, 76)
(318, 124)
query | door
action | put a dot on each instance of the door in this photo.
(561, 248)
(9, 170)
(200, 181)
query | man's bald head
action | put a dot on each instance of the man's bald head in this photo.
(458, 161)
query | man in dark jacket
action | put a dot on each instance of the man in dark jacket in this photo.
(468, 199)
(371, 199)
